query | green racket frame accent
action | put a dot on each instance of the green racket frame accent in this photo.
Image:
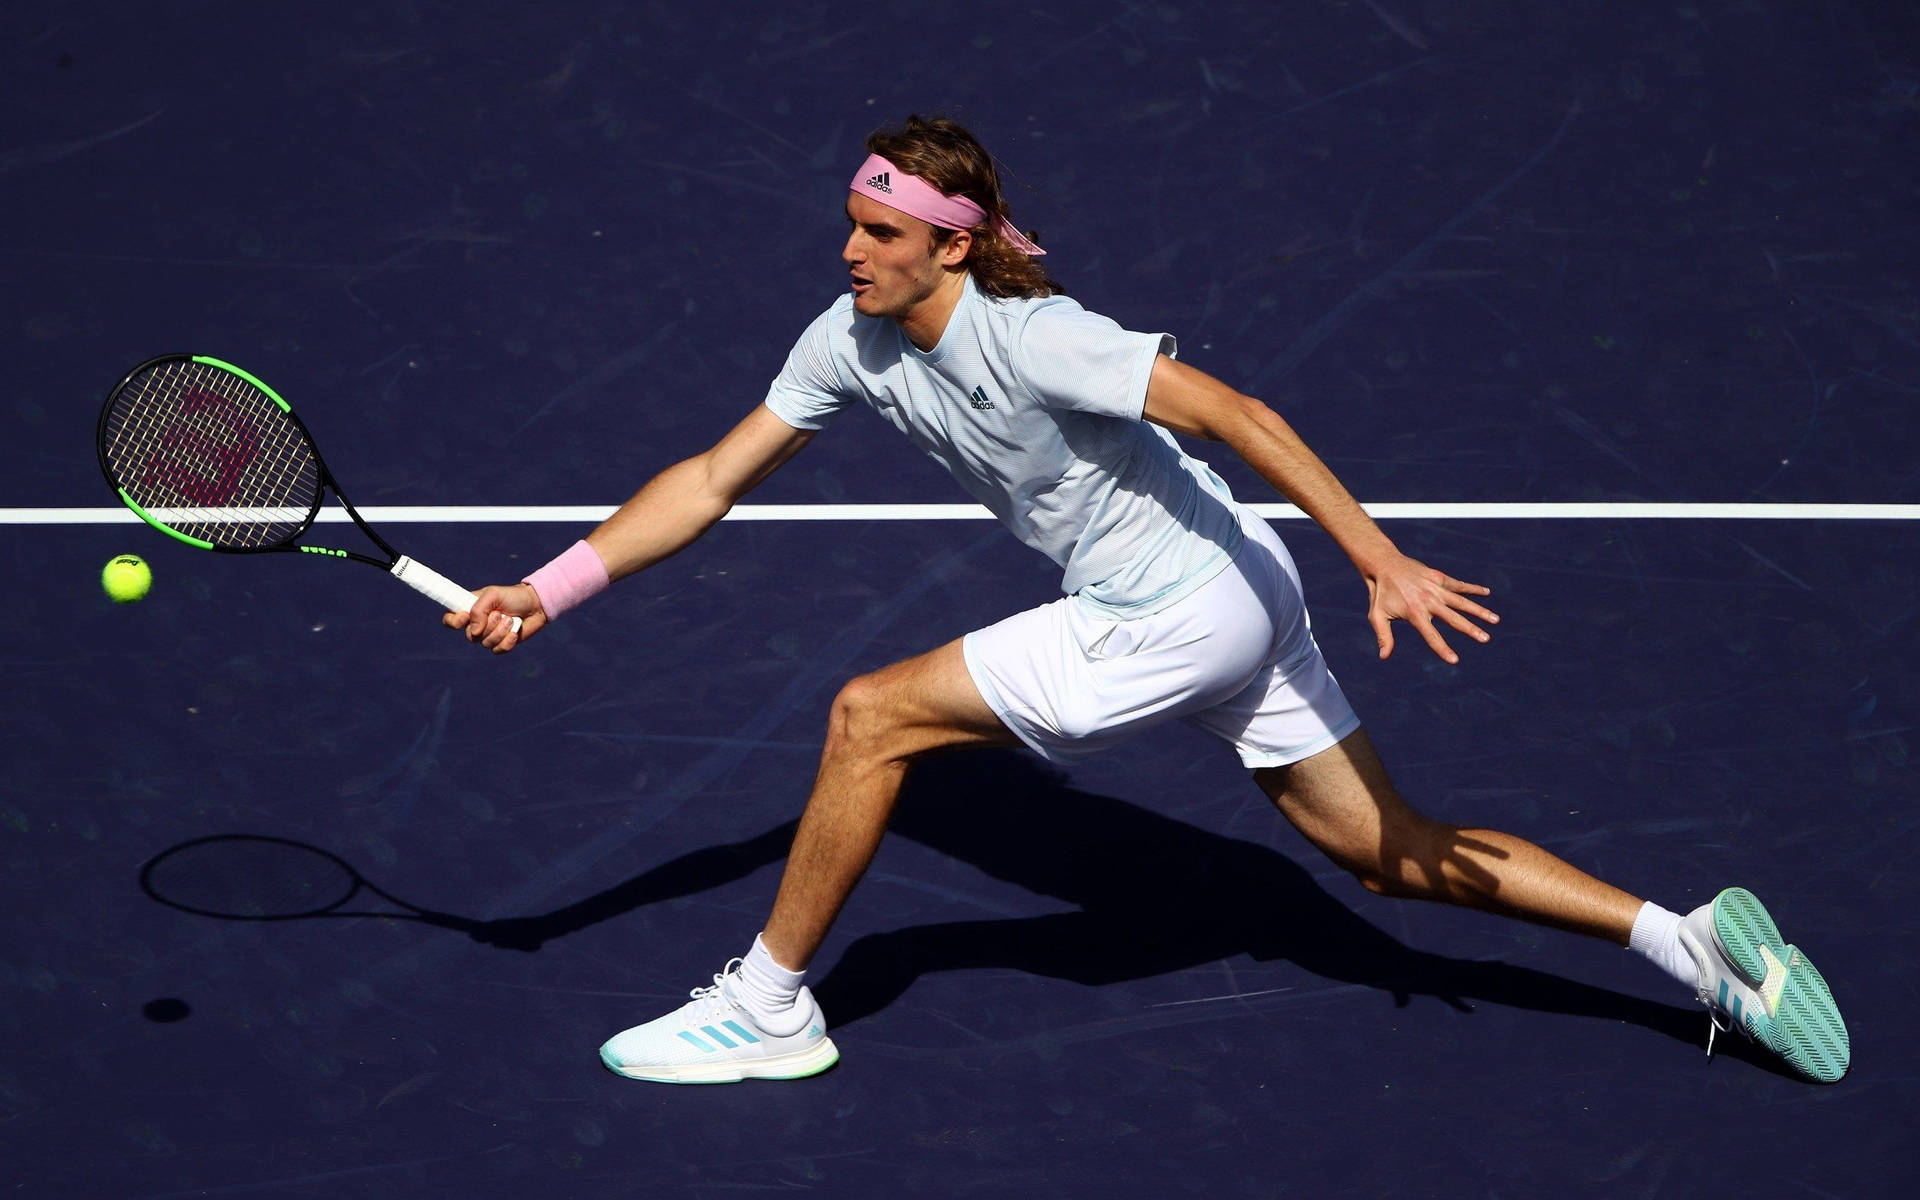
(249, 377)
(172, 533)
(200, 543)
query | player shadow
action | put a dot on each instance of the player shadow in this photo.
(1154, 895)
(1157, 895)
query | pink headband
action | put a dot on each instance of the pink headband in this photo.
(880, 180)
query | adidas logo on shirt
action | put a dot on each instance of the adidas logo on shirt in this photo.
(883, 182)
(978, 398)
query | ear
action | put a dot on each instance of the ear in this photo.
(954, 251)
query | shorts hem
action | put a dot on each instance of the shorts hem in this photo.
(1255, 760)
(998, 703)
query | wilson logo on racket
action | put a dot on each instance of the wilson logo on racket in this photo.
(192, 461)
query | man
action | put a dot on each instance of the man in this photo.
(1179, 603)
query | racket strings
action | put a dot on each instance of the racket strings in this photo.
(209, 455)
(276, 487)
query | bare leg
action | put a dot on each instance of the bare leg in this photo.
(878, 725)
(1342, 800)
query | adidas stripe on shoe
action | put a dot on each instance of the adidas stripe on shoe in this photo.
(713, 1039)
(1753, 981)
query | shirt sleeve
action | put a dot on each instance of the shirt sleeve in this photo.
(808, 392)
(1074, 359)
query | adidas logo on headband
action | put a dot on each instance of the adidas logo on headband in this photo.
(883, 182)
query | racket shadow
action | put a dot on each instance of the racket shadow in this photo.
(251, 877)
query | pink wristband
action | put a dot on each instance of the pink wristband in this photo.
(576, 576)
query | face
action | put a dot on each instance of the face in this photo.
(892, 258)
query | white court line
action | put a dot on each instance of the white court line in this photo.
(508, 514)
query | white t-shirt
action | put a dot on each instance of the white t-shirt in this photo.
(1034, 406)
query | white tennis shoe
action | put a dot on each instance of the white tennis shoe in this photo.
(714, 1039)
(1753, 981)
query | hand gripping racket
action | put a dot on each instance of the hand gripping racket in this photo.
(212, 457)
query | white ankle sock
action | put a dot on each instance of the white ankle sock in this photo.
(766, 988)
(1656, 937)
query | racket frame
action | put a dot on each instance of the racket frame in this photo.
(415, 574)
(290, 542)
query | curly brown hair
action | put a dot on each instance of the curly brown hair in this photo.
(943, 153)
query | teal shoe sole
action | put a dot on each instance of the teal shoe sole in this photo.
(1804, 1025)
(798, 1065)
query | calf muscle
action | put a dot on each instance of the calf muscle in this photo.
(1343, 802)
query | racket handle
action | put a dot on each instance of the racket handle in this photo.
(437, 587)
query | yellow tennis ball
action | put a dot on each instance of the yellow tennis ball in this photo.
(126, 578)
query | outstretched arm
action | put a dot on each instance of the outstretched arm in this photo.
(674, 508)
(685, 500)
(1191, 402)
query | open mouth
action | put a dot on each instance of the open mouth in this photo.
(860, 286)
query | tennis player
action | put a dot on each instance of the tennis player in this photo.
(1179, 604)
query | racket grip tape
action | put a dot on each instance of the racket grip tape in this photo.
(437, 587)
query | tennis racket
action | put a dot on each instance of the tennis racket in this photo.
(212, 457)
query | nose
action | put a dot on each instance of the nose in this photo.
(852, 253)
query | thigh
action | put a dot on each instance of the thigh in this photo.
(1342, 801)
(1292, 709)
(922, 704)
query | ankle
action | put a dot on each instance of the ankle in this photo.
(1656, 937)
(764, 988)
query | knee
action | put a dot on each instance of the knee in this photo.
(1409, 862)
(863, 719)
(1373, 873)
(1374, 877)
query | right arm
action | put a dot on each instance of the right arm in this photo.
(685, 500)
(668, 514)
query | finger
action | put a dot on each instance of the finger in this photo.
(1475, 610)
(1464, 626)
(510, 640)
(454, 620)
(509, 630)
(1436, 643)
(1382, 632)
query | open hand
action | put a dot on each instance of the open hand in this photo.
(1406, 589)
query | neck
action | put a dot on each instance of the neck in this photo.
(927, 320)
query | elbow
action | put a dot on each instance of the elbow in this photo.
(1237, 419)
(700, 491)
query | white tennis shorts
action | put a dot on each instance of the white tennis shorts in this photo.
(1235, 658)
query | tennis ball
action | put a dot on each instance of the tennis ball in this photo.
(126, 578)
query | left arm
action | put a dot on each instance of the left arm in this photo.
(1191, 402)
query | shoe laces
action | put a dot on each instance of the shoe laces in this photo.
(712, 991)
(1720, 1021)
(1714, 1027)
